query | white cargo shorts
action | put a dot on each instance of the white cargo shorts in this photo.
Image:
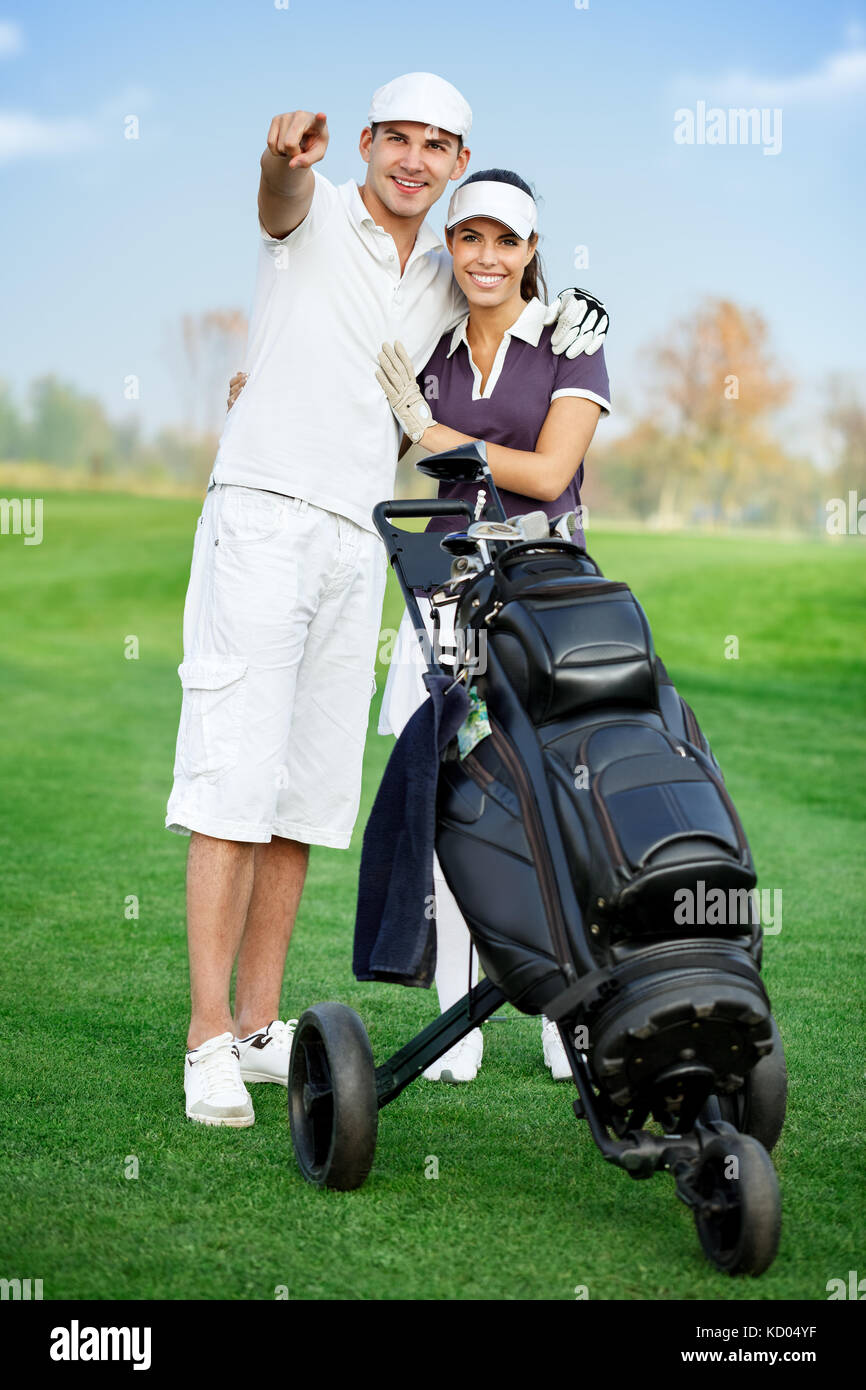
(280, 633)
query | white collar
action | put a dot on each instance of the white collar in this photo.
(528, 326)
(425, 239)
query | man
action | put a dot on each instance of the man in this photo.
(284, 602)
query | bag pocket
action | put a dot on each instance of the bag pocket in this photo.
(649, 802)
(649, 818)
(591, 646)
(214, 694)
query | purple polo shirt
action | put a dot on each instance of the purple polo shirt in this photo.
(526, 376)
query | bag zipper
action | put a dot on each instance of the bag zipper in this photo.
(539, 850)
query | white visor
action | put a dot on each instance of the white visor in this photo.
(501, 201)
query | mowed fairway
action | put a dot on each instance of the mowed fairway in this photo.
(94, 1004)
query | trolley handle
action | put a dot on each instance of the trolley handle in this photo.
(419, 506)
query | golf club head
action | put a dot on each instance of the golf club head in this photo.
(459, 543)
(467, 463)
(493, 531)
(564, 525)
(533, 526)
(463, 567)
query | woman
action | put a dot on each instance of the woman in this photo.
(494, 378)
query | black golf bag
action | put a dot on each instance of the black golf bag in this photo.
(593, 847)
(588, 837)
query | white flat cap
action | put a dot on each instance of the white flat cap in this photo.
(422, 96)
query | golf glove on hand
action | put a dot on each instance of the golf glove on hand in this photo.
(396, 376)
(581, 323)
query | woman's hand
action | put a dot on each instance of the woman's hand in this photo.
(236, 385)
(396, 376)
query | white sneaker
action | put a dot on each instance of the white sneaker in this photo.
(215, 1093)
(554, 1052)
(265, 1054)
(460, 1062)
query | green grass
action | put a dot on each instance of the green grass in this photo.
(94, 1005)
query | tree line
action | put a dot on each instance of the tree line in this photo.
(706, 449)
(703, 447)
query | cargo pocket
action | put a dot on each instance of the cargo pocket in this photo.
(214, 692)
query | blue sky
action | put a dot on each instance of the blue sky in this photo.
(108, 241)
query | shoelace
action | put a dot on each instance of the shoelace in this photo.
(219, 1071)
(282, 1033)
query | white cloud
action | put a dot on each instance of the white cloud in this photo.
(132, 98)
(838, 76)
(25, 135)
(22, 134)
(11, 38)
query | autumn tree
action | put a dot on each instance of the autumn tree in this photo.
(717, 384)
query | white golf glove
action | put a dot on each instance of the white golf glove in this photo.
(581, 323)
(396, 376)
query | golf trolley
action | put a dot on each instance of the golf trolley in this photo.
(568, 883)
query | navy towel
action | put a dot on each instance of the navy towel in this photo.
(395, 931)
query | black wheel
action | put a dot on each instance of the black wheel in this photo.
(739, 1211)
(333, 1107)
(759, 1107)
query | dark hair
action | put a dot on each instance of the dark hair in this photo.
(533, 283)
(375, 126)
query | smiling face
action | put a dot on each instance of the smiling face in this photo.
(489, 260)
(410, 165)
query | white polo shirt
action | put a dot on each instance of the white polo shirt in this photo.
(312, 421)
